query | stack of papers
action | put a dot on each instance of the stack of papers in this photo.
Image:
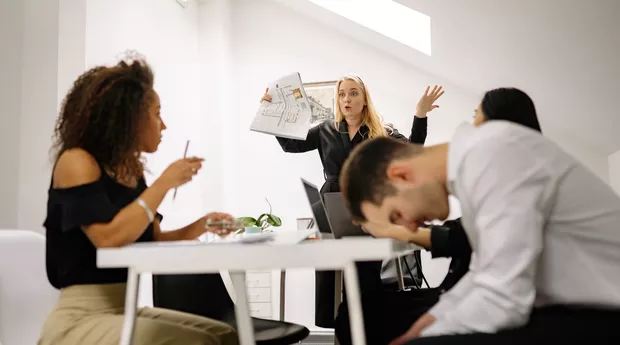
(288, 114)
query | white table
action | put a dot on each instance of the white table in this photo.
(197, 257)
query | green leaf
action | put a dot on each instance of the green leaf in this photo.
(264, 221)
(274, 220)
(249, 221)
(260, 218)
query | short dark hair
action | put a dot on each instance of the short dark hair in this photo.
(364, 174)
(510, 104)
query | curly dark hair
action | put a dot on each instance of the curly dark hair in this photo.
(102, 114)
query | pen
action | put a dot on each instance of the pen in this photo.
(184, 156)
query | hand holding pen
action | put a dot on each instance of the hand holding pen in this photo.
(180, 172)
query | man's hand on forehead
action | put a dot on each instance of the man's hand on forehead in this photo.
(388, 230)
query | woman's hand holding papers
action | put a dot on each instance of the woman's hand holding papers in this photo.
(266, 97)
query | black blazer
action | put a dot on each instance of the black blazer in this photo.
(335, 146)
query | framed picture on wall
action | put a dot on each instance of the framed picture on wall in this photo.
(322, 97)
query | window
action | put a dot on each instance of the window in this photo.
(386, 17)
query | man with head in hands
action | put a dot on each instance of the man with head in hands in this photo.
(545, 233)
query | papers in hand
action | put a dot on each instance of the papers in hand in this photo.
(288, 114)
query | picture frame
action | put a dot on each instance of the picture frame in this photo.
(322, 99)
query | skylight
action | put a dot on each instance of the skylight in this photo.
(386, 17)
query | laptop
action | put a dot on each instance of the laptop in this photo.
(337, 219)
(340, 217)
(318, 209)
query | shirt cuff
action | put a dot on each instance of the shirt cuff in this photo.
(436, 329)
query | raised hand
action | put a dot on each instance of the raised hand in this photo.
(426, 103)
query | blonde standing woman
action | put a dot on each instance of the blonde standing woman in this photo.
(356, 120)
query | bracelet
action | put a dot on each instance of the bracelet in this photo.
(147, 209)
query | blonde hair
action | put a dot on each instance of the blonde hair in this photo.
(370, 117)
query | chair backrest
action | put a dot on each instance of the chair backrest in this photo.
(26, 296)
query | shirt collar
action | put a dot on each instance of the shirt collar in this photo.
(363, 130)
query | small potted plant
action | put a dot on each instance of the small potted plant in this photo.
(261, 224)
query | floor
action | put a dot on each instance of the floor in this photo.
(320, 338)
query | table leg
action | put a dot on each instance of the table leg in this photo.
(337, 291)
(399, 273)
(131, 304)
(354, 301)
(282, 293)
(245, 329)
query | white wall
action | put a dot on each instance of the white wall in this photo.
(215, 95)
(42, 57)
(270, 40)
(39, 100)
(11, 33)
(71, 44)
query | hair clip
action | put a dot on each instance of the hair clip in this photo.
(129, 56)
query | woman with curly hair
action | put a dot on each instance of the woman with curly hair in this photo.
(98, 198)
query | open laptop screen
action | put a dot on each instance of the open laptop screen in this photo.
(316, 204)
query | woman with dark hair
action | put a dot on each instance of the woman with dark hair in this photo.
(507, 104)
(98, 198)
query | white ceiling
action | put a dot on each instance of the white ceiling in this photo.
(564, 53)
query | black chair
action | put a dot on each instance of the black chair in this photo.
(410, 267)
(206, 295)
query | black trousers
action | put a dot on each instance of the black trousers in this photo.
(387, 314)
(550, 325)
(369, 274)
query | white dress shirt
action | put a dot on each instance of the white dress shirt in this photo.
(543, 228)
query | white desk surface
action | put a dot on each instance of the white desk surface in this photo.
(284, 252)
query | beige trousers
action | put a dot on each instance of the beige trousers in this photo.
(93, 314)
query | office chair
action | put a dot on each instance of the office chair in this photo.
(403, 273)
(26, 297)
(206, 295)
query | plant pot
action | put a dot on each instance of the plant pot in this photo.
(253, 229)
